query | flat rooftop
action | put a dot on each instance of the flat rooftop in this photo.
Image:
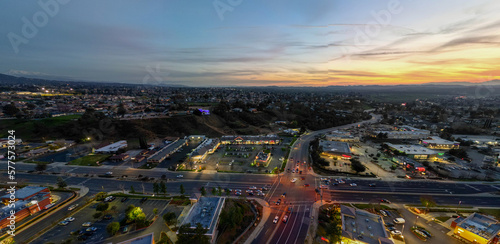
(412, 149)
(168, 149)
(113, 147)
(206, 212)
(26, 192)
(335, 146)
(481, 225)
(438, 140)
(145, 239)
(205, 146)
(362, 225)
(250, 138)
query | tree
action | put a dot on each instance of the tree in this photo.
(10, 109)
(357, 166)
(428, 202)
(169, 218)
(155, 211)
(214, 191)
(203, 191)
(101, 196)
(61, 183)
(142, 142)
(163, 187)
(113, 228)
(97, 215)
(219, 191)
(136, 214)
(197, 112)
(121, 110)
(182, 189)
(156, 188)
(102, 206)
(189, 236)
(132, 189)
(40, 167)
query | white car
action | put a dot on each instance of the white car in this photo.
(180, 176)
(383, 213)
(354, 184)
(87, 224)
(63, 223)
(252, 188)
(399, 221)
(293, 180)
(276, 219)
(70, 219)
(396, 232)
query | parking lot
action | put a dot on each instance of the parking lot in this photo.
(240, 158)
(63, 232)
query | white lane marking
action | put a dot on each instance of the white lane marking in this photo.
(472, 187)
(85, 181)
(301, 223)
(290, 232)
(496, 187)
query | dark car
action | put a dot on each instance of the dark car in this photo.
(144, 199)
(124, 199)
(385, 200)
(107, 216)
(372, 185)
(83, 237)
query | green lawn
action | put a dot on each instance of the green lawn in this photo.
(90, 160)
(489, 211)
(37, 162)
(24, 128)
(377, 207)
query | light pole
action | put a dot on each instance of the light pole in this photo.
(416, 219)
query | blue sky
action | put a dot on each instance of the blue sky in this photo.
(258, 42)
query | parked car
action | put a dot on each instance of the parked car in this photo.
(353, 184)
(144, 199)
(293, 180)
(399, 221)
(87, 224)
(306, 185)
(107, 217)
(372, 185)
(125, 229)
(383, 213)
(396, 232)
(124, 199)
(180, 176)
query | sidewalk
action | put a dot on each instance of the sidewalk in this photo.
(266, 211)
(313, 222)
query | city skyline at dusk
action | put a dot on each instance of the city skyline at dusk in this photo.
(252, 43)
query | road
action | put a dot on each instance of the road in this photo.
(299, 197)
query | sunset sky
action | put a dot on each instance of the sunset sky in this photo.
(254, 43)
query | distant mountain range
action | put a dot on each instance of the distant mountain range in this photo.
(23, 77)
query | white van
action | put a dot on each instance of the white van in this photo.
(399, 221)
